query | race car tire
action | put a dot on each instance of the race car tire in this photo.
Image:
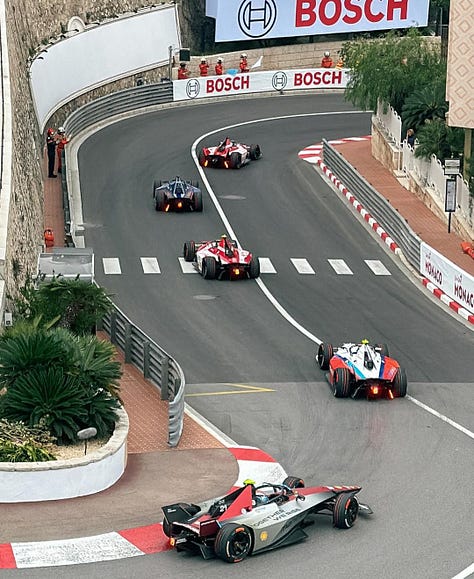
(346, 509)
(400, 384)
(325, 353)
(197, 201)
(156, 184)
(160, 200)
(235, 161)
(342, 383)
(382, 349)
(294, 482)
(254, 268)
(189, 251)
(233, 543)
(202, 158)
(255, 152)
(209, 268)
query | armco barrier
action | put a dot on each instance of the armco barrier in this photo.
(123, 101)
(380, 209)
(157, 366)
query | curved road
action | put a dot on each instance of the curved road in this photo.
(416, 469)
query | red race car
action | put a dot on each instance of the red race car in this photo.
(221, 258)
(356, 368)
(229, 155)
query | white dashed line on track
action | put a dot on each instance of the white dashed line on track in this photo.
(150, 265)
(377, 267)
(340, 267)
(111, 265)
(302, 266)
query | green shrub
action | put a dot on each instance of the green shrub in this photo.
(19, 443)
(48, 396)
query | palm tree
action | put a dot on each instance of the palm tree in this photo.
(426, 103)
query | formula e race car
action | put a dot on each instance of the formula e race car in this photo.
(254, 519)
(229, 155)
(362, 368)
(221, 258)
(177, 194)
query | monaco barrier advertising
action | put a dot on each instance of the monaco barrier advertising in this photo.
(294, 79)
(451, 279)
(247, 19)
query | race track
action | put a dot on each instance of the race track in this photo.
(416, 470)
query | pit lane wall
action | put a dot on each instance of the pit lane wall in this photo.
(66, 479)
(258, 82)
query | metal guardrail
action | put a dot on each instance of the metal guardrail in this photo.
(156, 365)
(123, 101)
(381, 210)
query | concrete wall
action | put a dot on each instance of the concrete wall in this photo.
(66, 479)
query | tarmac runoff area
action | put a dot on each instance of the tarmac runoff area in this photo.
(252, 463)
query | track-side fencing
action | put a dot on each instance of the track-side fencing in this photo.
(156, 365)
(123, 101)
(380, 209)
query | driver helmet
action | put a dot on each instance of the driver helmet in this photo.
(247, 481)
(327, 53)
(364, 341)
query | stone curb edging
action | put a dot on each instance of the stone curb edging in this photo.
(312, 154)
(253, 463)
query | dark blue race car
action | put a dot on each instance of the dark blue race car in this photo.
(178, 195)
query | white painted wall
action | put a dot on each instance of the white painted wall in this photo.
(66, 479)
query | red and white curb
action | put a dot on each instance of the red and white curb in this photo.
(448, 301)
(253, 463)
(312, 154)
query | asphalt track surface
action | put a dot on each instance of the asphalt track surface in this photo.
(416, 469)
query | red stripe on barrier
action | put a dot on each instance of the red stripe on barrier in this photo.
(149, 539)
(251, 454)
(7, 557)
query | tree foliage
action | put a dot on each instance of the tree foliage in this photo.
(436, 138)
(391, 68)
(425, 104)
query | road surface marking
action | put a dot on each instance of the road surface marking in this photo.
(377, 267)
(302, 265)
(186, 266)
(340, 267)
(111, 265)
(150, 265)
(266, 266)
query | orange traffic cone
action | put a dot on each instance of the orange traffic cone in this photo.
(49, 237)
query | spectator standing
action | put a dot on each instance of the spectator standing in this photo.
(61, 143)
(203, 67)
(326, 62)
(219, 68)
(243, 65)
(411, 137)
(183, 72)
(51, 147)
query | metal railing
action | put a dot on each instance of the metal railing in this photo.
(156, 365)
(378, 206)
(117, 103)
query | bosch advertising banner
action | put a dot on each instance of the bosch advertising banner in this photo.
(248, 19)
(294, 79)
(454, 282)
